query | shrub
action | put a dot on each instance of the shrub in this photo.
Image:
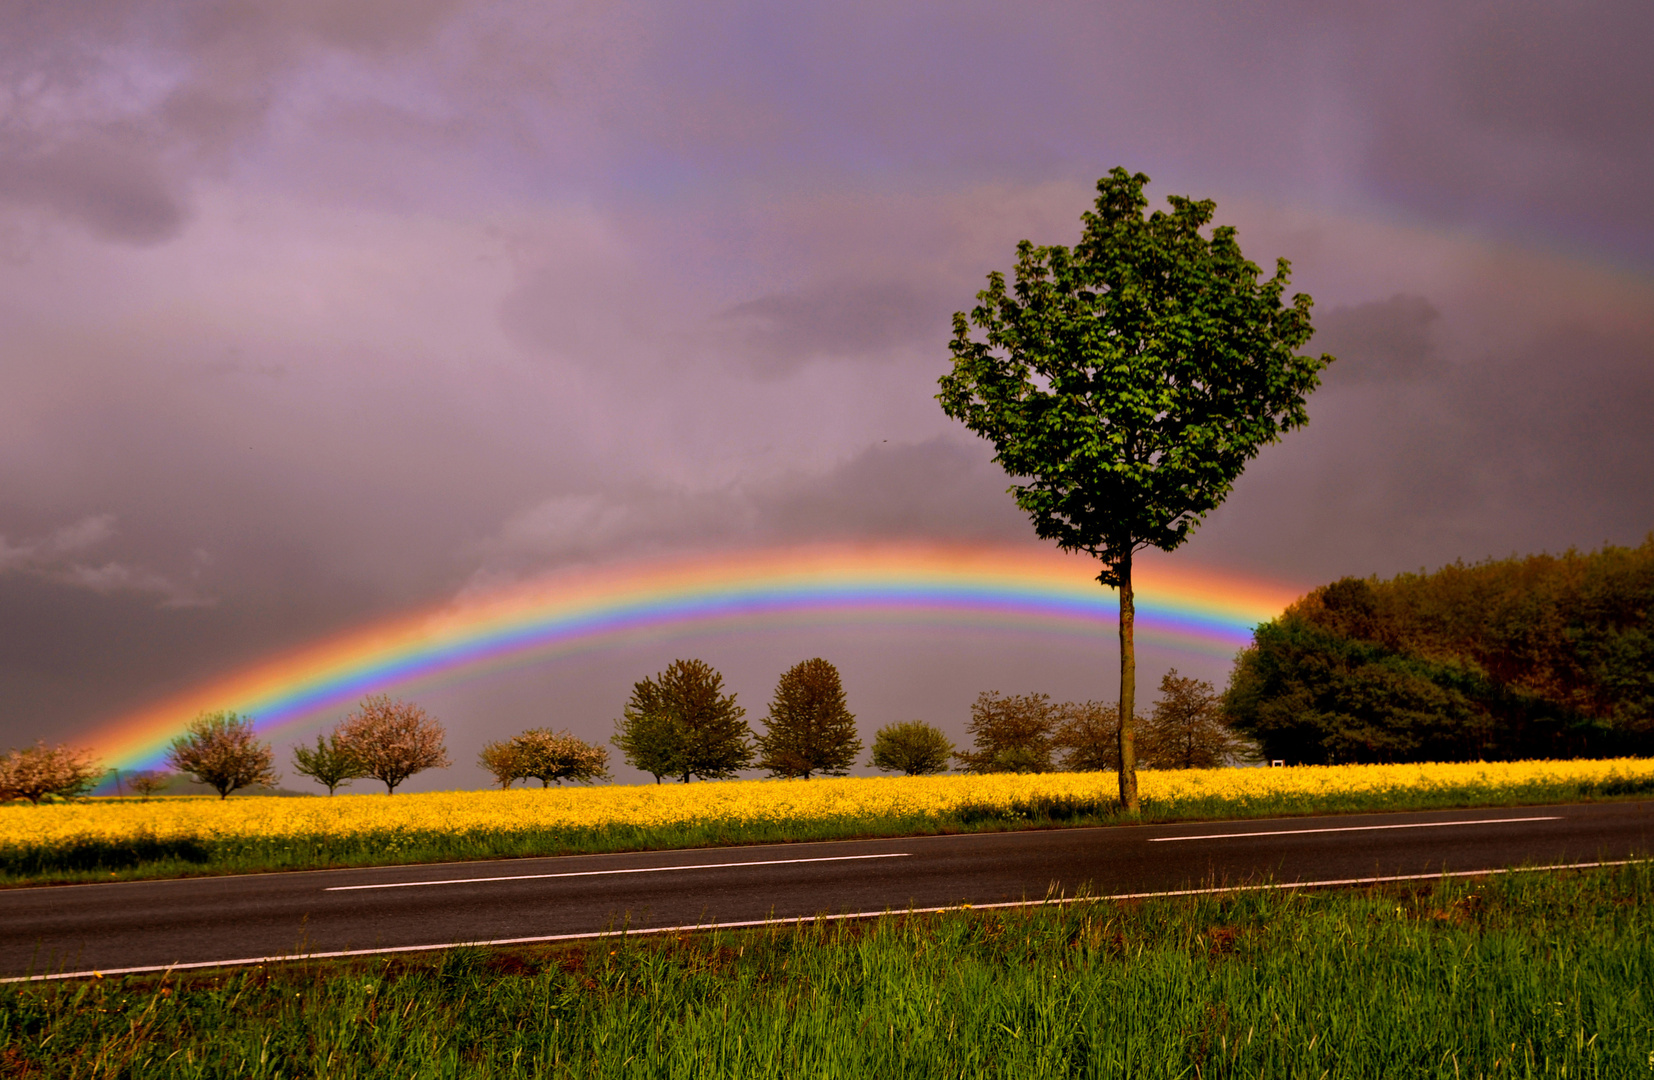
(913, 748)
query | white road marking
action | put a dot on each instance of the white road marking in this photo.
(748, 924)
(1352, 828)
(602, 873)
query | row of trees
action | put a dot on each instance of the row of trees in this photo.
(1187, 729)
(384, 739)
(680, 723)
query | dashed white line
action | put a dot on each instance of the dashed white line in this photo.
(1352, 828)
(747, 924)
(602, 873)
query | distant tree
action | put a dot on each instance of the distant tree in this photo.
(1129, 380)
(1012, 734)
(913, 748)
(500, 759)
(681, 723)
(148, 783)
(1088, 735)
(554, 756)
(393, 740)
(809, 728)
(330, 764)
(36, 771)
(1190, 730)
(220, 750)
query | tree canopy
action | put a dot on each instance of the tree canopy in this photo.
(1010, 733)
(544, 755)
(1189, 728)
(330, 762)
(913, 748)
(809, 728)
(681, 723)
(1128, 381)
(393, 740)
(220, 749)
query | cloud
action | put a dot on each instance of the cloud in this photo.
(840, 318)
(943, 488)
(1381, 341)
(57, 558)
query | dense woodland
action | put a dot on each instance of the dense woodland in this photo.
(1549, 656)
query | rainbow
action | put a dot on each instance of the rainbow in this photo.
(996, 589)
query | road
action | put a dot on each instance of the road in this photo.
(145, 925)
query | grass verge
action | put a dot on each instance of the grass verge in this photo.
(1544, 974)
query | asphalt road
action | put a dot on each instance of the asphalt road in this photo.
(203, 921)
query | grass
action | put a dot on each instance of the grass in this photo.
(374, 834)
(1541, 974)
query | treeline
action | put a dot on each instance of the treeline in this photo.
(1548, 656)
(680, 724)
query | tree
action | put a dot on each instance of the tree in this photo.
(680, 723)
(1088, 734)
(36, 771)
(809, 728)
(148, 783)
(913, 748)
(501, 760)
(1012, 734)
(330, 764)
(219, 749)
(554, 756)
(1189, 728)
(1129, 380)
(393, 740)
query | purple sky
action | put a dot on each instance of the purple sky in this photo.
(311, 312)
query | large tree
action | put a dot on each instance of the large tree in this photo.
(681, 723)
(1128, 381)
(809, 728)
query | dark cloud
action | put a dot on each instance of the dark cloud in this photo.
(114, 107)
(1528, 117)
(1543, 448)
(843, 319)
(945, 488)
(1381, 341)
(409, 297)
(108, 181)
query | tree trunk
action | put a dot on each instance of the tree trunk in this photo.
(1128, 688)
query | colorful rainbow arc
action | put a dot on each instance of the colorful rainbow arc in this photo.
(996, 589)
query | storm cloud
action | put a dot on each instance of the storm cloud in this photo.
(318, 313)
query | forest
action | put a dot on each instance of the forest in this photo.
(1543, 656)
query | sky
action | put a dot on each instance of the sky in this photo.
(312, 314)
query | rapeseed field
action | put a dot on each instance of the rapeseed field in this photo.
(98, 838)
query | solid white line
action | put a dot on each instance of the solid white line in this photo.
(1352, 828)
(748, 924)
(601, 873)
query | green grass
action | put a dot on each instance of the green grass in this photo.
(1539, 974)
(149, 857)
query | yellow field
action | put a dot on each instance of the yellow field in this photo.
(754, 802)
